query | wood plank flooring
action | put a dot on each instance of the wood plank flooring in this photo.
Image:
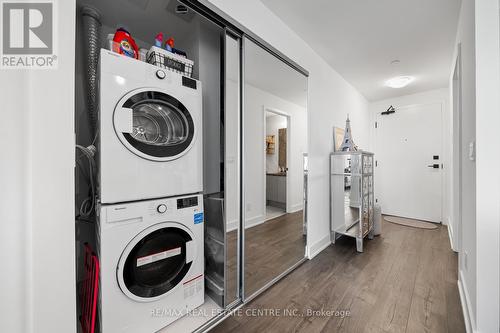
(270, 249)
(405, 281)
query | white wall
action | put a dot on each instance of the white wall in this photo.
(274, 123)
(209, 54)
(428, 97)
(467, 256)
(37, 177)
(330, 99)
(255, 193)
(15, 228)
(488, 164)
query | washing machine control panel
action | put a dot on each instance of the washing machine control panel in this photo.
(161, 208)
(157, 208)
(187, 202)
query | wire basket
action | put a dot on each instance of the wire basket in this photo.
(171, 61)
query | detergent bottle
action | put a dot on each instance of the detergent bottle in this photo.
(169, 44)
(159, 40)
(125, 44)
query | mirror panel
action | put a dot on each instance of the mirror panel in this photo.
(232, 164)
(274, 144)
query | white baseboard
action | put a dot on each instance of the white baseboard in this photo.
(446, 220)
(450, 235)
(470, 323)
(232, 225)
(296, 207)
(316, 248)
(255, 221)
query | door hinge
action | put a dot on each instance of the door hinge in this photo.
(376, 163)
(376, 125)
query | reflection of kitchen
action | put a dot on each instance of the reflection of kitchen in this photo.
(276, 164)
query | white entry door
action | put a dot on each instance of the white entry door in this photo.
(408, 176)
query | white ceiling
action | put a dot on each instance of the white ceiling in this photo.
(360, 38)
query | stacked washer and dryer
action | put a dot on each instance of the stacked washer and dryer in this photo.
(150, 226)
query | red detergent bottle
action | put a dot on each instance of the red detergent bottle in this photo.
(125, 44)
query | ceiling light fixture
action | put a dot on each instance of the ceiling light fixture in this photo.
(399, 81)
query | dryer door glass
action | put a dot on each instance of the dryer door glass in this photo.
(157, 263)
(162, 127)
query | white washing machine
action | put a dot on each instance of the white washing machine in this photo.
(150, 127)
(152, 263)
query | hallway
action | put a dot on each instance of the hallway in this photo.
(405, 281)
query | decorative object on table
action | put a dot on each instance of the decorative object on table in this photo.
(348, 143)
(338, 137)
(270, 144)
(123, 43)
(171, 61)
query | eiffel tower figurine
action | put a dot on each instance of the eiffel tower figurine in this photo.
(348, 144)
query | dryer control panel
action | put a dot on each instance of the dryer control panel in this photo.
(157, 209)
(187, 202)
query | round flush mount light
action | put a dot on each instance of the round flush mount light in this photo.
(399, 81)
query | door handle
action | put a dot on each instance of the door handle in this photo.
(434, 166)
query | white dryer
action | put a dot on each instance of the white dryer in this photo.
(150, 127)
(152, 263)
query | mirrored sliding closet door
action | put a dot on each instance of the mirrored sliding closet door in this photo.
(274, 146)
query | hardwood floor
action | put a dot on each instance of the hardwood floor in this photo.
(405, 281)
(270, 249)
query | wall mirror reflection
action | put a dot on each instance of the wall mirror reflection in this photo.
(275, 141)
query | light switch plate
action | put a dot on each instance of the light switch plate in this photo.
(472, 151)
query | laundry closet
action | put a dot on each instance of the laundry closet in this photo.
(171, 233)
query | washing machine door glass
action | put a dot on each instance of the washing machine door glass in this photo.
(157, 263)
(162, 127)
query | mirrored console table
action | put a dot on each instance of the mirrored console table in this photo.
(351, 195)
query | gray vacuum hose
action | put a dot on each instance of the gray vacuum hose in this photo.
(92, 29)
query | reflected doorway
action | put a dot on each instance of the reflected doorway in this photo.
(276, 162)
